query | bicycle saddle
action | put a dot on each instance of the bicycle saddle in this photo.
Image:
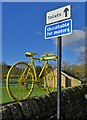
(30, 54)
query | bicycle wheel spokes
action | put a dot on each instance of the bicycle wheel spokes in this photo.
(41, 84)
(20, 81)
(49, 79)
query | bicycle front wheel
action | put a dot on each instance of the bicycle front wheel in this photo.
(20, 81)
(49, 79)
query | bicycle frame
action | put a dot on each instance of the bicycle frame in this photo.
(32, 65)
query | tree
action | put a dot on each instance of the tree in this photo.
(78, 70)
(66, 66)
(5, 69)
(82, 60)
(38, 69)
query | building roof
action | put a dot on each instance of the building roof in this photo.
(69, 75)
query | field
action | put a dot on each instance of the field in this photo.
(6, 98)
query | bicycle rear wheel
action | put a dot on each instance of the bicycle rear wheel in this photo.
(49, 79)
(20, 81)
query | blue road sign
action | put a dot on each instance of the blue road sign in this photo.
(58, 29)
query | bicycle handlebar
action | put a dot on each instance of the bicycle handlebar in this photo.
(47, 55)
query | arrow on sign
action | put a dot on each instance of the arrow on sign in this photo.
(66, 11)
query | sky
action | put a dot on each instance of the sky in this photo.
(43, 0)
(23, 26)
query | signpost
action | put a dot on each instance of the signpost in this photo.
(57, 30)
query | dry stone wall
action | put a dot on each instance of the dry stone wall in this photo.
(74, 106)
(74, 103)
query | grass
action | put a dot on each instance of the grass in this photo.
(6, 98)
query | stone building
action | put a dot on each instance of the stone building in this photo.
(67, 79)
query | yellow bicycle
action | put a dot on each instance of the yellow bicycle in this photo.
(22, 76)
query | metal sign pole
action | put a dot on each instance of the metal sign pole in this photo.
(65, 28)
(59, 41)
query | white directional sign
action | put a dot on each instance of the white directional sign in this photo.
(58, 14)
(58, 29)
